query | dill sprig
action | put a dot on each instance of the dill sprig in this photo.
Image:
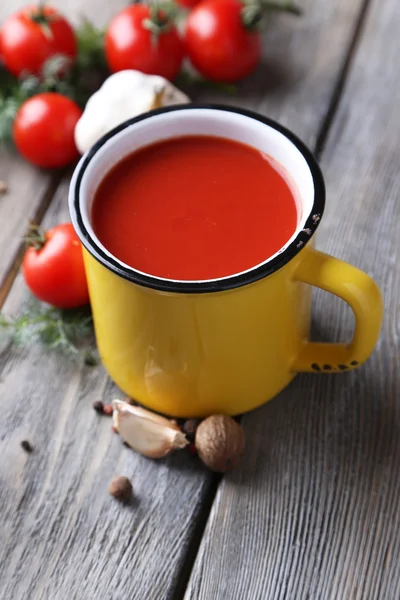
(68, 331)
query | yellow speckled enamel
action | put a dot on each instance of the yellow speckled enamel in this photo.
(191, 355)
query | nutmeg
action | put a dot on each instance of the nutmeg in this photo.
(220, 442)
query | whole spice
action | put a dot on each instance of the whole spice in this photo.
(189, 428)
(220, 442)
(3, 187)
(27, 446)
(98, 407)
(146, 432)
(121, 488)
(108, 409)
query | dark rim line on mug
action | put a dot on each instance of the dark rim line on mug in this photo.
(235, 280)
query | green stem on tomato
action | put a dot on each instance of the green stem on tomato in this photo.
(254, 11)
(39, 17)
(35, 237)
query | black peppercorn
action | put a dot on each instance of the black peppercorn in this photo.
(98, 407)
(189, 428)
(26, 446)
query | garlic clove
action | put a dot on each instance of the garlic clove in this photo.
(157, 101)
(146, 432)
(123, 407)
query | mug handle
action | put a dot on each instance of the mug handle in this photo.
(362, 295)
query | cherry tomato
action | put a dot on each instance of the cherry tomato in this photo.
(218, 43)
(130, 43)
(55, 272)
(43, 130)
(33, 35)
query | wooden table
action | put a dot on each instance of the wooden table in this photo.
(313, 511)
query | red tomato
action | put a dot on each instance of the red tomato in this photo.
(55, 273)
(33, 35)
(130, 44)
(43, 130)
(218, 43)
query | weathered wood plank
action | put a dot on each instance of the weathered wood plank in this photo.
(313, 511)
(30, 189)
(61, 533)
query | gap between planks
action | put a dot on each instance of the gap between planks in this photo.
(341, 82)
(37, 218)
(197, 535)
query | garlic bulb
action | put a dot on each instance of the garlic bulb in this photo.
(146, 432)
(122, 96)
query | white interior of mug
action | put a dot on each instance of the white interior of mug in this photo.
(200, 121)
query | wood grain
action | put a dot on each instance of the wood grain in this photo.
(314, 510)
(29, 189)
(62, 534)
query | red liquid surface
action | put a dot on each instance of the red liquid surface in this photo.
(196, 207)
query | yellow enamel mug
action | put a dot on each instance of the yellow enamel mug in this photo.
(193, 348)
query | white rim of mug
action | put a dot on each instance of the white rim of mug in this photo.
(271, 265)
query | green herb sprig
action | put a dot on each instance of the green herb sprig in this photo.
(67, 331)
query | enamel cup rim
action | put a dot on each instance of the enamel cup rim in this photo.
(80, 189)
